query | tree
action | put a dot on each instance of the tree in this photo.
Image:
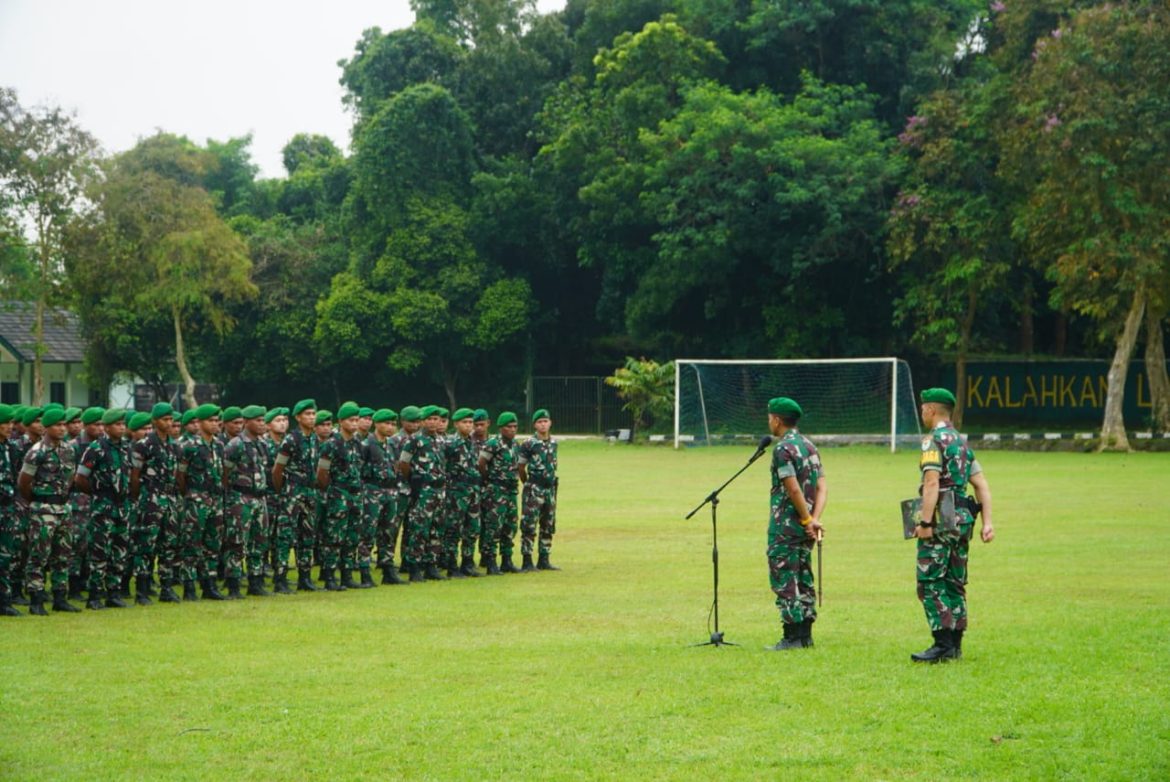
(46, 162)
(383, 65)
(647, 387)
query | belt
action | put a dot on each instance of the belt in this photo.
(51, 499)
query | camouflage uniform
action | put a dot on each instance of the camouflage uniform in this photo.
(380, 499)
(9, 525)
(17, 513)
(464, 497)
(107, 466)
(80, 517)
(50, 533)
(402, 505)
(272, 502)
(789, 546)
(202, 461)
(424, 533)
(297, 523)
(156, 526)
(343, 511)
(539, 495)
(499, 490)
(245, 526)
(942, 559)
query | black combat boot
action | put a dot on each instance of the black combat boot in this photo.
(96, 601)
(792, 639)
(367, 580)
(468, 567)
(256, 587)
(61, 602)
(542, 562)
(526, 566)
(127, 579)
(167, 595)
(506, 565)
(331, 584)
(347, 579)
(806, 633)
(6, 608)
(433, 573)
(142, 590)
(233, 588)
(210, 590)
(114, 598)
(280, 584)
(390, 576)
(36, 603)
(17, 598)
(150, 586)
(942, 650)
(305, 581)
(76, 588)
(488, 562)
(189, 592)
(453, 569)
(957, 643)
(417, 576)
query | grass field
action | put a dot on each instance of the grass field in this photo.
(586, 673)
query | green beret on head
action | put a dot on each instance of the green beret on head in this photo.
(411, 413)
(324, 417)
(783, 406)
(442, 412)
(303, 405)
(205, 411)
(463, 412)
(31, 414)
(72, 414)
(481, 415)
(18, 409)
(6, 414)
(272, 413)
(161, 410)
(385, 414)
(92, 415)
(138, 420)
(506, 418)
(348, 410)
(938, 395)
(53, 406)
(539, 414)
(54, 416)
(252, 411)
(429, 410)
(113, 415)
(232, 413)
(188, 416)
(366, 412)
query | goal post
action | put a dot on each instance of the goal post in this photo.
(847, 399)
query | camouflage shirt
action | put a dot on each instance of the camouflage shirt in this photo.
(202, 460)
(424, 454)
(8, 473)
(462, 460)
(503, 458)
(271, 449)
(540, 456)
(946, 452)
(243, 462)
(155, 461)
(343, 459)
(298, 455)
(51, 467)
(15, 457)
(378, 463)
(794, 456)
(107, 465)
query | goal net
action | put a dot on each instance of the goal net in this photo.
(854, 399)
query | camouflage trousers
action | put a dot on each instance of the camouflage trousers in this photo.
(463, 506)
(380, 518)
(243, 522)
(343, 515)
(156, 533)
(50, 546)
(79, 517)
(498, 520)
(790, 573)
(109, 543)
(540, 510)
(204, 518)
(11, 545)
(424, 526)
(401, 514)
(942, 577)
(297, 527)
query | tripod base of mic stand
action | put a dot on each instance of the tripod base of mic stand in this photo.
(716, 640)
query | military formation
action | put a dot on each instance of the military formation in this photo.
(117, 506)
(947, 468)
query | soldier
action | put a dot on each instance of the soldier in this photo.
(323, 430)
(44, 483)
(411, 418)
(479, 431)
(421, 463)
(231, 424)
(339, 477)
(244, 523)
(365, 423)
(138, 426)
(948, 466)
(200, 479)
(152, 483)
(799, 495)
(380, 494)
(90, 421)
(538, 471)
(104, 475)
(464, 496)
(32, 431)
(9, 543)
(190, 427)
(276, 421)
(73, 424)
(294, 477)
(498, 465)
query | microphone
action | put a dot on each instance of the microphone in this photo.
(765, 441)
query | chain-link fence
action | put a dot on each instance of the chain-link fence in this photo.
(579, 404)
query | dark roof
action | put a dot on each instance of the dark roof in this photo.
(63, 342)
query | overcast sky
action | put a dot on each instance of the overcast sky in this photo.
(214, 69)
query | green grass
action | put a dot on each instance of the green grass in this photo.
(587, 674)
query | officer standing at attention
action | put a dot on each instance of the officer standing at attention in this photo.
(538, 470)
(152, 483)
(294, 475)
(200, 479)
(8, 523)
(799, 495)
(246, 480)
(498, 464)
(947, 466)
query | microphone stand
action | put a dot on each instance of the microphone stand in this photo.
(713, 498)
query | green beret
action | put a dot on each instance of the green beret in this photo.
(385, 414)
(31, 414)
(54, 416)
(539, 414)
(6, 414)
(348, 410)
(783, 406)
(285, 411)
(272, 413)
(188, 416)
(505, 419)
(411, 413)
(53, 406)
(72, 414)
(231, 413)
(18, 410)
(252, 411)
(481, 414)
(205, 411)
(428, 410)
(463, 412)
(113, 415)
(939, 395)
(161, 410)
(442, 412)
(138, 420)
(366, 412)
(92, 415)
(303, 405)
(324, 417)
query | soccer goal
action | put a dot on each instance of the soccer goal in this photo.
(849, 399)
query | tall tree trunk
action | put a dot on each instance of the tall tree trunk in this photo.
(1113, 428)
(39, 319)
(961, 358)
(181, 362)
(1156, 371)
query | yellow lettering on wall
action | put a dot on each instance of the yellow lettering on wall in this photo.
(1143, 399)
(1007, 393)
(1066, 392)
(993, 392)
(1087, 393)
(1030, 394)
(1047, 393)
(973, 398)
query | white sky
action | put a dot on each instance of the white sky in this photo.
(214, 69)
